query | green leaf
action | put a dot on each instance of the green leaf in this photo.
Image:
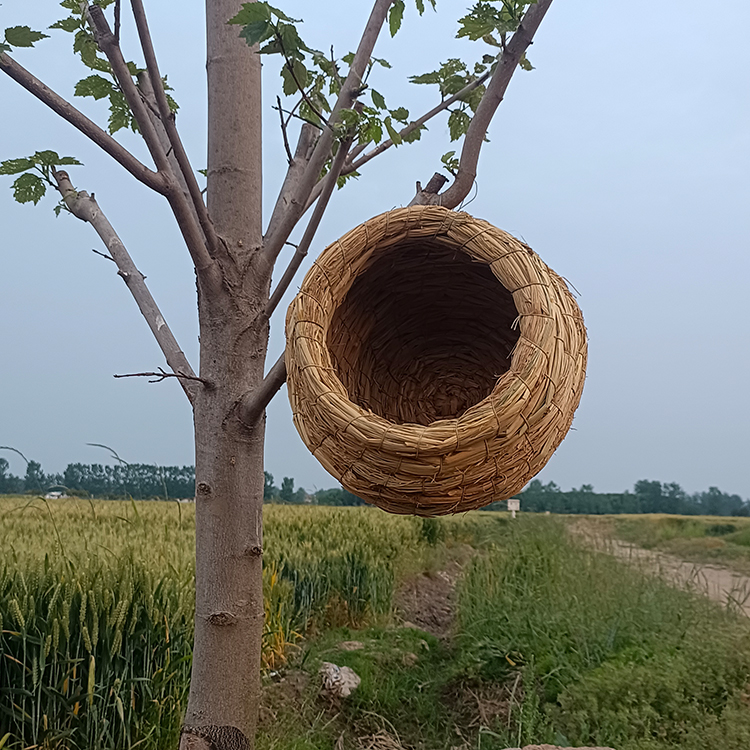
(29, 188)
(379, 60)
(71, 5)
(252, 13)
(377, 99)
(95, 86)
(524, 63)
(420, 6)
(392, 132)
(14, 166)
(69, 160)
(23, 36)
(120, 115)
(395, 16)
(72, 23)
(257, 31)
(458, 123)
(5, 47)
(400, 113)
(46, 158)
(450, 162)
(294, 77)
(415, 134)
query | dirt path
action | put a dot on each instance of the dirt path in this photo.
(718, 583)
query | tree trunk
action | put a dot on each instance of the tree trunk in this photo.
(224, 691)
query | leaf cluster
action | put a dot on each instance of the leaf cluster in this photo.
(36, 175)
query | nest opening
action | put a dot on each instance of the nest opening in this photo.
(423, 333)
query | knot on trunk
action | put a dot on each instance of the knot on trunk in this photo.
(213, 737)
(222, 618)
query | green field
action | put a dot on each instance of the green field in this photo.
(549, 642)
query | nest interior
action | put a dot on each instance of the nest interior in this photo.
(423, 334)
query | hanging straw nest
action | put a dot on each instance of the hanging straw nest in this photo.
(434, 361)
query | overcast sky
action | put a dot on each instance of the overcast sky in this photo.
(623, 159)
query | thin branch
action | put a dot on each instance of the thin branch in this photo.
(109, 46)
(183, 212)
(329, 184)
(84, 207)
(289, 157)
(161, 375)
(412, 126)
(305, 144)
(168, 122)
(78, 120)
(475, 135)
(253, 404)
(273, 243)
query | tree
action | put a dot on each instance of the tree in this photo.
(340, 124)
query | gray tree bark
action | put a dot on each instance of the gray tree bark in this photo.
(224, 694)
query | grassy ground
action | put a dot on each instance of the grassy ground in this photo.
(549, 642)
(552, 643)
(706, 539)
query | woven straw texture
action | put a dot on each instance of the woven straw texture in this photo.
(434, 361)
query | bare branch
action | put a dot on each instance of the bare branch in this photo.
(312, 227)
(305, 144)
(289, 157)
(168, 122)
(185, 215)
(78, 120)
(253, 404)
(273, 243)
(467, 170)
(159, 376)
(84, 207)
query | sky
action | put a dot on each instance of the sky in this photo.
(623, 159)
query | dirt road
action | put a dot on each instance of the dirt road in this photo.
(718, 583)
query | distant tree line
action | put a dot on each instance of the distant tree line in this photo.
(141, 481)
(147, 481)
(287, 494)
(646, 497)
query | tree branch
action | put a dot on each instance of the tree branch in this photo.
(161, 375)
(273, 243)
(412, 126)
(84, 207)
(305, 144)
(312, 227)
(354, 164)
(253, 404)
(506, 67)
(79, 121)
(168, 123)
(181, 208)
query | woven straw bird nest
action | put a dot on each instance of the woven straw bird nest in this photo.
(434, 361)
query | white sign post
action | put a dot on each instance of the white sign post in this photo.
(514, 504)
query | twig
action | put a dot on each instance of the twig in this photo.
(254, 404)
(84, 207)
(312, 227)
(79, 121)
(162, 375)
(117, 20)
(273, 243)
(104, 255)
(289, 157)
(290, 67)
